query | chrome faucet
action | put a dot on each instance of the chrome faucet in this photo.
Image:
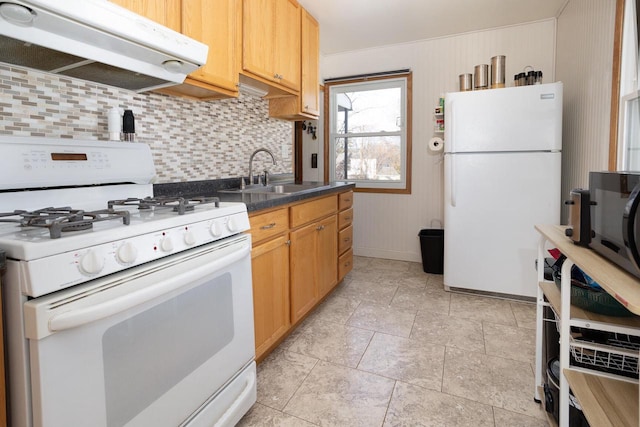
(251, 164)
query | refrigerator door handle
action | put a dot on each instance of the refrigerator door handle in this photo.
(452, 182)
(451, 127)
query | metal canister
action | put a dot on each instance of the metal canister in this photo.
(481, 76)
(466, 82)
(522, 79)
(497, 71)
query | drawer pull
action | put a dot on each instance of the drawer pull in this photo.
(347, 218)
(269, 226)
(347, 264)
(347, 239)
(347, 200)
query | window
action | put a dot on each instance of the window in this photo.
(369, 137)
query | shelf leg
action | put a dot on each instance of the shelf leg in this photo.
(539, 321)
(565, 329)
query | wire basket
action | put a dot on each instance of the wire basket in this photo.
(616, 354)
(603, 351)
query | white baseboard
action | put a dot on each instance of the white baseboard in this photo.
(386, 254)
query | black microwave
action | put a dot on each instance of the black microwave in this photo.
(615, 218)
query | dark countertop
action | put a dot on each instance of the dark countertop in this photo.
(254, 201)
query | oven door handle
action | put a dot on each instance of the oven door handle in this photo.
(82, 316)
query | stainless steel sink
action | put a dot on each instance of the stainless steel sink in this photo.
(273, 189)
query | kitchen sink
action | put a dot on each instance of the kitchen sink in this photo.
(273, 189)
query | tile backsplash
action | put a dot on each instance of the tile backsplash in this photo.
(190, 140)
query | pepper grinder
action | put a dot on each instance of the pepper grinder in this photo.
(128, 126)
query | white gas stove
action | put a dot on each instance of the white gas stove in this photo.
(120, 308)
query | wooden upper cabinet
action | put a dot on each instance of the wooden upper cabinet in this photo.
(215, 23)
(287, 43)
(310, 94)
(307, 104)
(271, 42)
(257, 38)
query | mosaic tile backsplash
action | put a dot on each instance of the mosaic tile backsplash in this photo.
(190, 140)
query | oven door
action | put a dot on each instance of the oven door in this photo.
(152, 346)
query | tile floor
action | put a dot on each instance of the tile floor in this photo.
(390, 347)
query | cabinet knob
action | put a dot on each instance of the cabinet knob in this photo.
(288, 243)
(320, 227)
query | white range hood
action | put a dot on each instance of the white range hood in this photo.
(98, 41)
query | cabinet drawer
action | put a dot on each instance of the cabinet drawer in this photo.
(266, 225)
(345, 218)
(345, 239)
(345, 264)
(346, 200)
(306, 212)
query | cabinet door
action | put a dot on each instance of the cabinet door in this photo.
(310, 39)
(165, 12)
(214, 23)
(257, 37)
(304, 288)
(270, 269)
(327, 255)
(286, 45)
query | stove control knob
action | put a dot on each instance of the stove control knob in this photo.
(166, 244)
(232, 225)
(126, 253)
(215, 229)
(91, 263)
(189, 238)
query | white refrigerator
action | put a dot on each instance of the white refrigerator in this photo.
(502, 168)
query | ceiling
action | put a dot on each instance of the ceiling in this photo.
(359, 24)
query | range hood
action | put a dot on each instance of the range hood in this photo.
(98, 41)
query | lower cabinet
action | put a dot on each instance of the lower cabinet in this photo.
(270, 269)
(314, 268)
(296, 258)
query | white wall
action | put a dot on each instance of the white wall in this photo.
(584, 61)
(387, 226)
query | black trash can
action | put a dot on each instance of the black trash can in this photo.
(432, 246)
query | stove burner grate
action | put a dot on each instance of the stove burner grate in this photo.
(180, 205)
(65, 219)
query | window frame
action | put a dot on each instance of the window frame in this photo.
(371, 186)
